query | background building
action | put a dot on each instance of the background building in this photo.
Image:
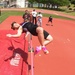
(14, 3)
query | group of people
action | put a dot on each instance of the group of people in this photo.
(28, 26)
(36, 18)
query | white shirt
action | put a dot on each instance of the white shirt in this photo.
(39, 16)
(34, 13)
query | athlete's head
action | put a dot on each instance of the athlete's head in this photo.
(39, 12)
(26, 11)
(33, 9)
(15, 25)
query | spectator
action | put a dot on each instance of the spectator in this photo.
(39, 19)
(34, 15)
(27, 16)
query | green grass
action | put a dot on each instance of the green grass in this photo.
(60, 17)
(63, 9)
(67, 11)
(6, 14)
(72, 13)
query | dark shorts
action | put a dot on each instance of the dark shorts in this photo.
(45, 34)
(32, 29)
(50, 19)
(35, 33)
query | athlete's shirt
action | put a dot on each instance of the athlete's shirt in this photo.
(28, 26)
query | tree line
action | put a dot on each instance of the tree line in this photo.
(52, 3)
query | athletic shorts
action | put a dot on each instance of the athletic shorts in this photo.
(35, 33)
(32, 29)
(45, 34)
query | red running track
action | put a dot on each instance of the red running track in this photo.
(61, 59)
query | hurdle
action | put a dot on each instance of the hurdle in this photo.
(31, 49)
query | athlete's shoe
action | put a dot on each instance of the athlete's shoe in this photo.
(37, 50)
(45, 50)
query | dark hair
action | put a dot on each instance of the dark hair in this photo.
(39, 12)
(12, 25)
(33, 9)
(26, 10)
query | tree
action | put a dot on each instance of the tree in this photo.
(31, 2)
(72, 1)
(52, 2)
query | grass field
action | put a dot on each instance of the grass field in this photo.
(5, 14)
(67, 11)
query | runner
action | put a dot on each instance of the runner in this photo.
(50, 20)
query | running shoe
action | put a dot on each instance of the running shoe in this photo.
(37, 50)
(45, 50)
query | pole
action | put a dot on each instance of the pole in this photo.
(32, 66)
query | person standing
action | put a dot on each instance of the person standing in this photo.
(39, 19)
(0, 11)
(50, 20)
(34, 15)
(27, 16)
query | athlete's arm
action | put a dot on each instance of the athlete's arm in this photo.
(19, 32)
(27, 33)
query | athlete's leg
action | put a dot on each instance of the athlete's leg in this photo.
(43, 42)
(48, 40)
(40, 35)
(39, 30)
(35, 21)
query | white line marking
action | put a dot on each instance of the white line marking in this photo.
(56, 14)
(68, 39)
